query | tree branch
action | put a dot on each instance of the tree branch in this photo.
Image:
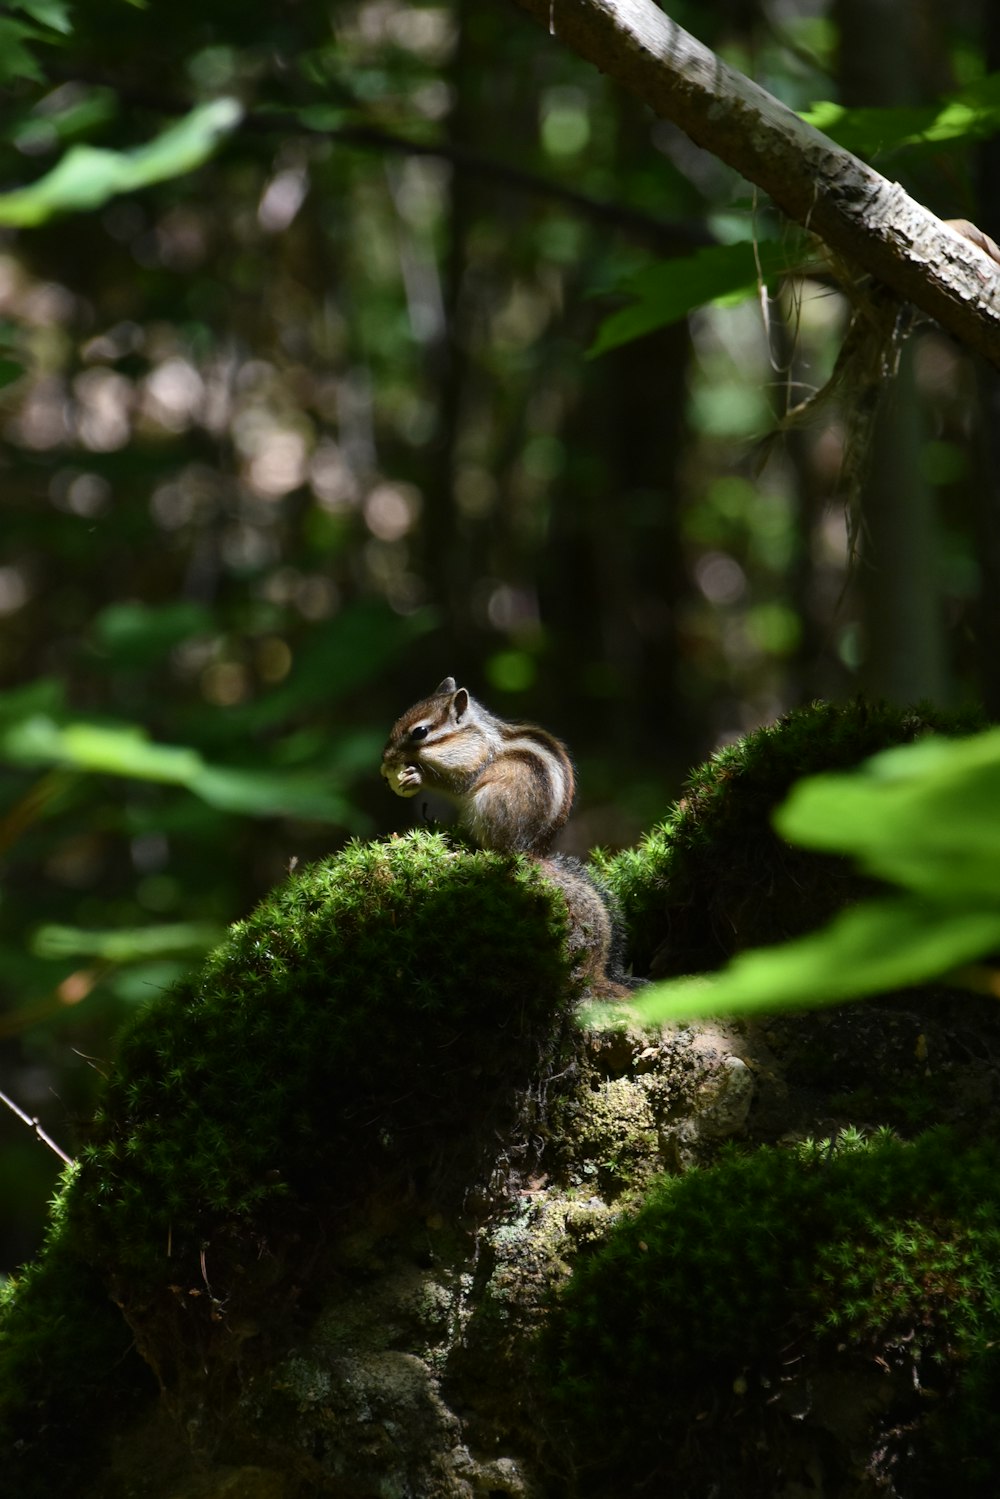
(666, 235)
(867, 220)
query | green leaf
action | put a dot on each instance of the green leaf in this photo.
(270, 794)
(870, 131)
(45, 696)
(319, 116)
(125, 944)
(867, 949)
(74, 114)
(10, 370)
(37, 737)
(669, 290)
(974, 114)
(15, 59)
(135, 634)
(87, 176)
(34, 739)
(925, 815)
(119, 751)
(52, 13)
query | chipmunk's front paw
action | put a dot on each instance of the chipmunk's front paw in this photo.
(405, 780)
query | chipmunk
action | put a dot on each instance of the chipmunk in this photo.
(513, 785)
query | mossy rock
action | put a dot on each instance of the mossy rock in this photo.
(362, 1038)
(370, 1064)
(714, 877)
(840, 1298)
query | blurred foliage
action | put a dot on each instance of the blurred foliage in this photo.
(714, 877)
(669, 290)
(971, 114)
(923, 817)
(87, 177)
(297, 419)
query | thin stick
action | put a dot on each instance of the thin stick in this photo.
(45, 1138)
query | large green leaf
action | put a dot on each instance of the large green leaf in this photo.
(120, 750)
(41, 735)
(665, 292)
(926, 816)
(87, 176)
(868, 949)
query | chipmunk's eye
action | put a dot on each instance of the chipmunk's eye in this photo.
(420, 732)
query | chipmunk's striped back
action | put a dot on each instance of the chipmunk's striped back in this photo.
(513, 783)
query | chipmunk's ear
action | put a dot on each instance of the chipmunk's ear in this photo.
(460, 704)
(448, 685)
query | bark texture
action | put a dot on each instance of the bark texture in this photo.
(864, 218)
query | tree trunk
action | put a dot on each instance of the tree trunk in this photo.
(988, 486)
(899, 543)
(905, 657)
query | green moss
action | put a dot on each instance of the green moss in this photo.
(863, 1250)
(368, 1029)
(366, 1009)
(65, 1352)
(714, 878)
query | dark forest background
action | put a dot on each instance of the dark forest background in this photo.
(291, 434)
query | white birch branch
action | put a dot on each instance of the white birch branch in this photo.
(868, 221)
